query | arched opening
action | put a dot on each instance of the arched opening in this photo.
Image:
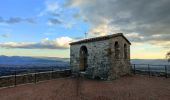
(125, 51)
(117, 50)
(83, 58)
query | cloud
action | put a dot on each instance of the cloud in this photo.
(1, 20)
(143, 20)
(54, 21)
(56, 13)
(14, 20)
(51, 8)
(57, 21)
(30, 20)
(58, 43)
(5, 35)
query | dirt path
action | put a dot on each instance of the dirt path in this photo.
(126, 88)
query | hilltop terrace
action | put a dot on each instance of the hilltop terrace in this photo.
(126, 88)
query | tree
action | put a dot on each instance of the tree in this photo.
(168, 56)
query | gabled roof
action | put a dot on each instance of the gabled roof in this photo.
(100, 38)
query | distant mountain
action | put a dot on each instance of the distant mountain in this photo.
(150, 61)
(55, 58)
(38, 61)
(22, 64)
(47, 61)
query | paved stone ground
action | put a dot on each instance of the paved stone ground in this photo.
(125, 88)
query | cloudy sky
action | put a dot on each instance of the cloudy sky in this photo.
(45, 27)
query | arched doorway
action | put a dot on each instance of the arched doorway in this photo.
(83, 58)
(117, 50)
(125, 51)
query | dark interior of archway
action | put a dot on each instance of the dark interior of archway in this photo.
(117, 50)
(83, 58)
(125, 51)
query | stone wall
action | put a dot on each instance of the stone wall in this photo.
(101, 58)
(119, 66)
(13, 80)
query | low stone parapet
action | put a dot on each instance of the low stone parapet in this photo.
(13, 80)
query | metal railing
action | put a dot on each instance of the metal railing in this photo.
(20, 77)
(151, 70)
(17, 79)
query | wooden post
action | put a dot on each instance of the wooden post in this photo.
(52, 72)
(35, 78)
(15, 78)
(149, 72)
(134, 69)
(166, 73)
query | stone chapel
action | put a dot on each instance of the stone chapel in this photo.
(105, 57)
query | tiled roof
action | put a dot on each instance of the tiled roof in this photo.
(100, 38)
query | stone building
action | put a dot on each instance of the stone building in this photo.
(105, 57)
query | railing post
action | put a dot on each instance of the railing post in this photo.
(51, 72)
(35, 78)
(166, 73)
(149, 70)
(134, 69)
(15, 78)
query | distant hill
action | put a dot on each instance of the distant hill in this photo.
(150, 61)
(55, 59)
(19, 60)
(40, 61)
(25, 64)
(47, 61)
(22, 64)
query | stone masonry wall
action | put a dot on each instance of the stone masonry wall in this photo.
(101, 58)
(97, 57)
(121, 66)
